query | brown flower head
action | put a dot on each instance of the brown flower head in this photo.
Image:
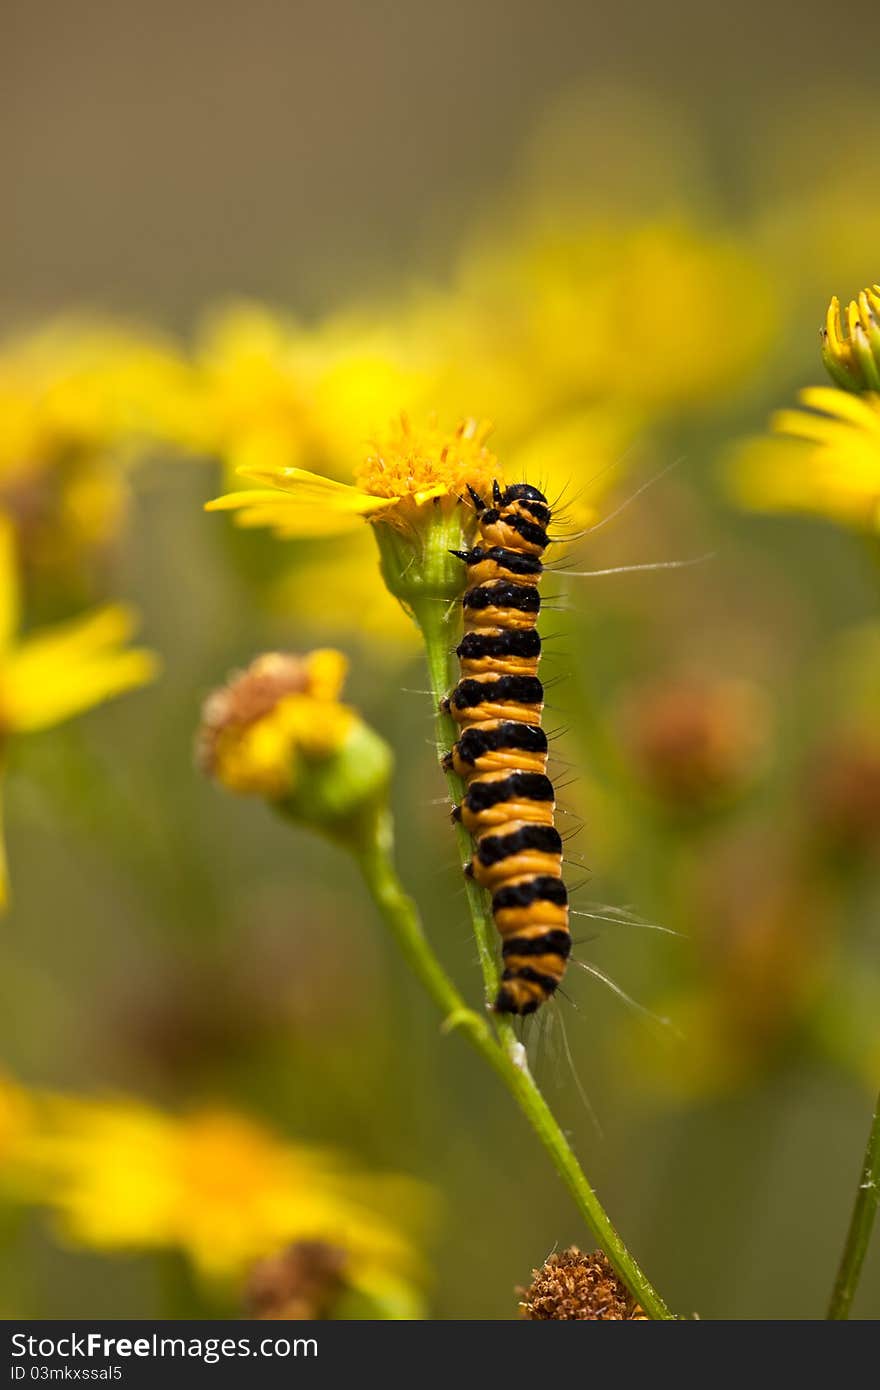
(574, 1287)
(300, 1283)
(844, 797)
(697, 744)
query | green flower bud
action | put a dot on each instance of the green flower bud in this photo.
(852, 356)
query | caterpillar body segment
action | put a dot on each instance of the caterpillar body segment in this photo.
(501, 752)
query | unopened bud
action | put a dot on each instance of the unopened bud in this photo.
(851, 342)
(279, 730)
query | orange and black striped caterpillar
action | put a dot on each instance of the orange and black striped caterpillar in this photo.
(501, 753)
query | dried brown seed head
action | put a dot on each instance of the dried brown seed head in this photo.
(574, 1287)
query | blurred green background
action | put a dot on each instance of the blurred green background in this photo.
(171, 942)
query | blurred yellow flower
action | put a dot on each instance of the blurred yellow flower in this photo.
(273, 393)
(79, 401)
(337, 592)
(284, 707)
(279, 730)
(576, 309)
(16, 1126)
(824, 459)
(219, 1186)
(58, 672)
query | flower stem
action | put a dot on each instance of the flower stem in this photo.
(506, 1055)
(860, 1226)
(864, 1212)
(401, 915)
(433, 619)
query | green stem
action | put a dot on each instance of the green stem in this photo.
(861, 1224)
(864, 1211)
(433, 619)
(506, 1055)
(400, 914)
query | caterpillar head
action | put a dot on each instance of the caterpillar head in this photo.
(517, 521)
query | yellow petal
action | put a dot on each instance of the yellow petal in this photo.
(428, 493)
(819, 429)
(66, 669)
(313, 490)
(289, 521)
(844, 405)
(88, 635)
(39, 695)
(784, 473)
(832, 325)
(327, 669)
(300, 504)
(254, 496)
(9, 595)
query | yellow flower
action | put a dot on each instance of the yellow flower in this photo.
(337, 591)
(574, 309)
(53, 674)
(16, 1127)
(284, 708)
(413, 486)
(279, 730)
(218, 1186)
(398, 479)
(79, 402)
(853, 357)
(411, 482)
(276, 394)
(824, 459)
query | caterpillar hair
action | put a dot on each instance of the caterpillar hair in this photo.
(501, 753)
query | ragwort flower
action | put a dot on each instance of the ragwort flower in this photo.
(273, 393)
(574, 309)
(80, 402)
(279, 730)
(411, 487)
(222, 1188)
(823, 459)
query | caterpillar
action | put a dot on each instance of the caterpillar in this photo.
(501, 753)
